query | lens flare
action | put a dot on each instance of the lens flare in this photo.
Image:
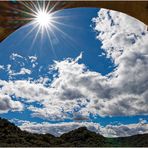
(43, 18)
(45, 22)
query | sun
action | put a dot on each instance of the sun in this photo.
(44, 21)
(43, 18)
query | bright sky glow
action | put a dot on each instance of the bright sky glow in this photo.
(43, 18)
(44, 21)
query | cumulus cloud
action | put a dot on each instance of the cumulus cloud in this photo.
(15, 55)
(6, 104)
(124, 130)
(21, 65)
(33, 58)
(58, 129)
(124, 39)
(23, 71)
(2, 67)
(25, 89)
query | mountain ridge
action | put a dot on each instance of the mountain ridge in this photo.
(11, 135)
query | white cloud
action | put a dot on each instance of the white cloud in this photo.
(9, 70)
(33, 58)
(124, 130)
(25, 89)
(15, 55)
(124, 39)
(50, 112)
(2, 67)
(6, 104)
(21, 65)
(23, 71)
(43, 80)
(119, 32)
(58, 129)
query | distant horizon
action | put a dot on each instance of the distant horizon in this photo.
(81, 127)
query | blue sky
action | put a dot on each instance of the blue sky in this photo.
(79, 40)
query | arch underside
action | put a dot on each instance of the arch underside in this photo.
(12, 18)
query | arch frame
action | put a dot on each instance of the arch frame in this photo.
(11, 18)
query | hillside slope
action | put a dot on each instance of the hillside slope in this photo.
(11, 135)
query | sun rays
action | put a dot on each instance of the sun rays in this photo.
(45, 22)
(43, 18)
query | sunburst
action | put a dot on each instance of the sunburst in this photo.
(44, 21)
(43, 18)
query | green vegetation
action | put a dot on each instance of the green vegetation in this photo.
(11, 135)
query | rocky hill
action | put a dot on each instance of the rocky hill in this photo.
(11, 135)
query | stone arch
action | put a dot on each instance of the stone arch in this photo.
(11, 19)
